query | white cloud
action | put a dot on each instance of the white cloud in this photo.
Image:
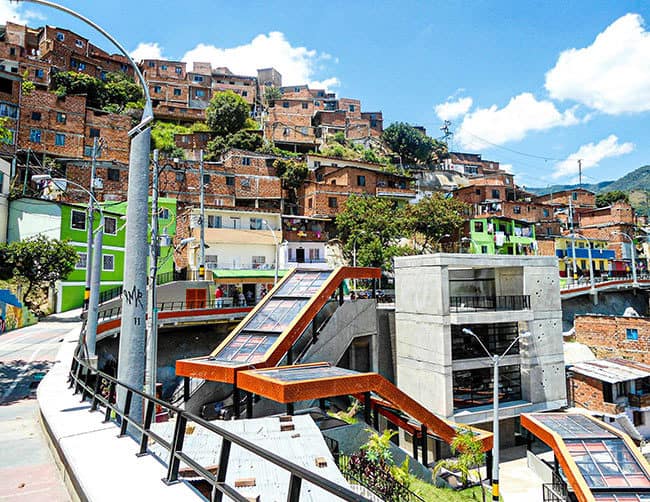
(16, 14)
(522, 114)
(298, 65)
(327, 84)
(591, 154)
(507, 168)
(611, 75)
(450, 110)
(147, 50)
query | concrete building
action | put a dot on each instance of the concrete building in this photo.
(498, 298)
(5, 173)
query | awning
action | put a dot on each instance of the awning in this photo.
(229, 276)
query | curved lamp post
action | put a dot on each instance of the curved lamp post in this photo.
(132, 331)
(632, 252)
(277, 244)
(95, 269)
(495, 359)
(591, 262)
(473, 242)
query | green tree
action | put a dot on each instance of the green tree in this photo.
(227, 113)
(374, 226)
(162, 138)
(293, 174)
(609, 198)
(121, 92)
(271, 95)
(433, 217)
(41, 261)
(6, 263)
(469, 456)
(117, 93)
(412, 145)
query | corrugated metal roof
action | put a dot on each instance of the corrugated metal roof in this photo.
(612, 370)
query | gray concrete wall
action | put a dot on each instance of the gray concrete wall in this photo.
(613, 303)
(386, 341)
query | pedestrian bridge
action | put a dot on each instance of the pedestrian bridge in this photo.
(584, 287)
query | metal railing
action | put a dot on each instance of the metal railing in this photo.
(585, 281)
(556, 491)
(494, 303)
(109, 294)
(101, 388)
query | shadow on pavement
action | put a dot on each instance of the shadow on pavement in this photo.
(28, 375)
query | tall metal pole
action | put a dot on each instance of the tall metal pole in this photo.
(93, 304)
(573, 244)
(495, 428)
(91, 219)
(132, 331)
(151, 369)
(202, 230)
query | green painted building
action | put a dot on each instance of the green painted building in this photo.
(499, 235)
(59, 220)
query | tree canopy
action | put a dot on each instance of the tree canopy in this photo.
(608, 198)
(227, 113)
(114, 94)
(432, 218)
(412, 145)
(39, 261)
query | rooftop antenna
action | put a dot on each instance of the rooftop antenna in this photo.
(447, 133)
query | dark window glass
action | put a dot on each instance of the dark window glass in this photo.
(230, 181)
(361, 181)
(36, 115)
(332, 202)
(474, 387)
(94, 132)
(113, 174)
(496, 337)
(478, 226)
(78, 220)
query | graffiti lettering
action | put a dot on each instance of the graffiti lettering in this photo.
(136, 321)
(135, 295)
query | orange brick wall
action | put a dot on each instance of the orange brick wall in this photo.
(606, 336)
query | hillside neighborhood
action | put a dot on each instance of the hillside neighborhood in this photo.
(364, 310)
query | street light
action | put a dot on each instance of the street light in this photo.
(93, 266)
(473, 242)
(632, 252)
(354, 254)
(591, 263)
(496, 359)
(275, 239)
(444, 236)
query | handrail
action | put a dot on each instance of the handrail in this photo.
(80, 377)
(493, 303)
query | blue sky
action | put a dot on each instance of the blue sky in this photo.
(553, 81)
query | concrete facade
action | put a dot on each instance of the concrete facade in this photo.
(428, 310)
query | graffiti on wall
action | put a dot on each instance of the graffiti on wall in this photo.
(12, 313)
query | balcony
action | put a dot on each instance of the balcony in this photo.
(639, 400)
(387, 191)
(305, 236)
(583, 253)
(488, 303)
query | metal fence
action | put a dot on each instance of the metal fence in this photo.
(555, 491)
(495, 303)
(224, 303)
(101, 388)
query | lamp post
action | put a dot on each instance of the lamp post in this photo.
(354, 254)
(275, 239)
(444, 236)
(591, 262)
(91, 218)
(202, 230)
(495, 359)
(632, 252)
(474, 244)
(93, 272)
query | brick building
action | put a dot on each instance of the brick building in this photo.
(331, 181)
(472, 164)
(615, 336)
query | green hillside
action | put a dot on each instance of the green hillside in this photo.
(594, 187)
(639, 179)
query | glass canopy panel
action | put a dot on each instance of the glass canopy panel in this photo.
(247, 347)
(607, 463)
(303, 284)
(275, 315)
(572, 426)
(307, 373)
(622, 497)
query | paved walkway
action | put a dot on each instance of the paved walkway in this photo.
(27, 468)
(517, 482)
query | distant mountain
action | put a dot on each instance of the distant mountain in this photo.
(603, 186)
(639, 179)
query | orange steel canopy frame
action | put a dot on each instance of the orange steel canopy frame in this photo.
(305, 291)
(302, 382)
(600, 462)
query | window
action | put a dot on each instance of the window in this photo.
(35, 135)
(178, 70)
(286, 131)
(244, 93)
(319, 176)
(332, 202)
(108, 262)
(78, 220)
(12, 51)
(113, 174)
(200, 93)
(245, 161)
(83, 261)
(38, 73)
(214, 221)
(163, 213)
(314, 255)
(206, 179)
(477, 191)
(574, 195)
(163, 67)
(110, 225)
(333, 182)
(157, 89)
(361, 181)
(257, 223)
(82, 66)
(236, 222)
(545, 212)
(94, 132)
(88, 151)
(285, 104)
(316, 103)
(180, 177)
(60, 36)
(478, 226)
(61, 117)
(496, 194)
(258, 261)
(516, 210)
(230, 181)
(351, 108)
(211, 262)
(305, 106)
(74, 63)
(8, 110)
(103, 75)
(474, 387)
(151, 64)
(198, 78)
(36, 115)
(310, 203)
(59, 139)
(177, 91)
(632, 334)
(304, 130)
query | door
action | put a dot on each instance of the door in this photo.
(195, 298)
(300, 255)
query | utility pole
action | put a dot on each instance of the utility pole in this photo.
(202, 244)
(573, 242)
(579, 173)
(91, 219)
(151, 369)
